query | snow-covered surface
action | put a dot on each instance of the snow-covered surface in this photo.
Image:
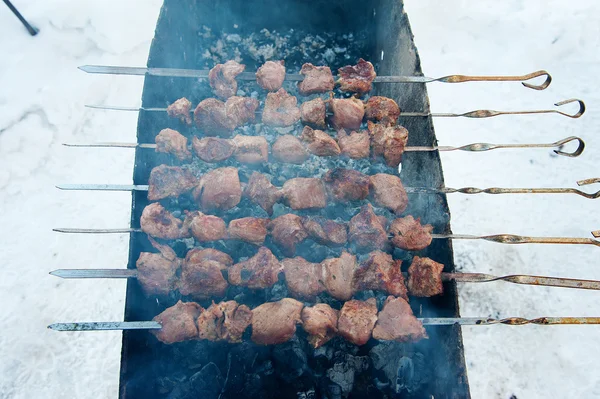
(41, 102)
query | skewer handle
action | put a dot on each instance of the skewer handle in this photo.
(516, 239)
(95, 273)
(524, 279)
(516, 78)
(106, 325)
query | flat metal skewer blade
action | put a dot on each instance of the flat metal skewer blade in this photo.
(110, 145)
(95, 273)
(95, 231)
(103, 187)
(106, 325)
(523, 279)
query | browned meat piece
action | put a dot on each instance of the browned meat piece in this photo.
(317, 79)
(270, 75)
(251, 149)
(396, 322)
(205, 228)
(383, 110)
(241, 109)
(425, 277)
(313, 113)
(219, 189)
(289, 149)
(366, 231)
(260, 191)
(388, 142)
(178, 323)
(287, 231)
(388, 192)
(224, 321)
(320, 322)
(303, 278)
(275, 322)
(258, 272)
(409, 234)
(304, 193)
(202, 278)
(325, 231)
(172, 142)
(357, 319)
(213, 149)
(198, 255)
(160, 223)
(338, 275)
(281, 109)
(156, 274)
(380, 272)
(345, 185)
(356, 145)
(181, 109)
(348, 113)
(216, 118)
(320, 143)
(222, 78)
(169, 181)
(252, 230)
(357, 78)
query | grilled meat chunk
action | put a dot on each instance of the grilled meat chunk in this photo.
(281, 109)
(178, 323)
(320, 322)
(213, 149)
(275, 322)
(357, 78)
(366, 230)
(383, 110)
(313, 113)
(170, 181)
(222, 78)
(260, 191)
(325, 231)
(388, 192)
(252, 230)
(388, 142)
(425, 277)
(348, 113)
(338, 276)
(356, 145)
(157, 274)
(241, 109)
(317, 79)
(303, 278)
(288, 149)
(304, 193)
(357, 319)
(320, 143)
(396, 322)
(160, 223)
(382, 273)
(409, 234)
(172, 142)
(216, 118)
(224, 321)
(345, 185)
(219, 189)
(270, 75)
(251, 149)
(181, 109)
(258, 272)
(202, 280)
(287, 231)
(198, 255)
(205, 228)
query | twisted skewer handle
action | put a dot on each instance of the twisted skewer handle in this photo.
(517, 78)
(516, 239)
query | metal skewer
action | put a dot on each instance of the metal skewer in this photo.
(474, 147)
(203, 74)
(410, 190)
(459, 277)
(429, 321)
(480, 113)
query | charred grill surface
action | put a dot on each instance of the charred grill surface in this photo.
(332, 33)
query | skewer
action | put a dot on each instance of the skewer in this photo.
(480, 113)
(474, 147)
(294, 77)
(410, 190)
(458, 277)
(429, 321)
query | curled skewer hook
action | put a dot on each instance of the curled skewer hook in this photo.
(536, 74)
(576, 153)
(572, 100)
(590, 196)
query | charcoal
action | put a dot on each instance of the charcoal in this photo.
(208, 382)
(403, 369)
(290, 360)
(310, 394)
(278, 291)
(344, 370)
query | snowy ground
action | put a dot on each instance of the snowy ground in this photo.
(41, 99)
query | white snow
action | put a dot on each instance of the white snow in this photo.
(41, 101)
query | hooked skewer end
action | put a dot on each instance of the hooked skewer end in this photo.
(572, 100)
(574, 154)
(596, 233)
(542, 86)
